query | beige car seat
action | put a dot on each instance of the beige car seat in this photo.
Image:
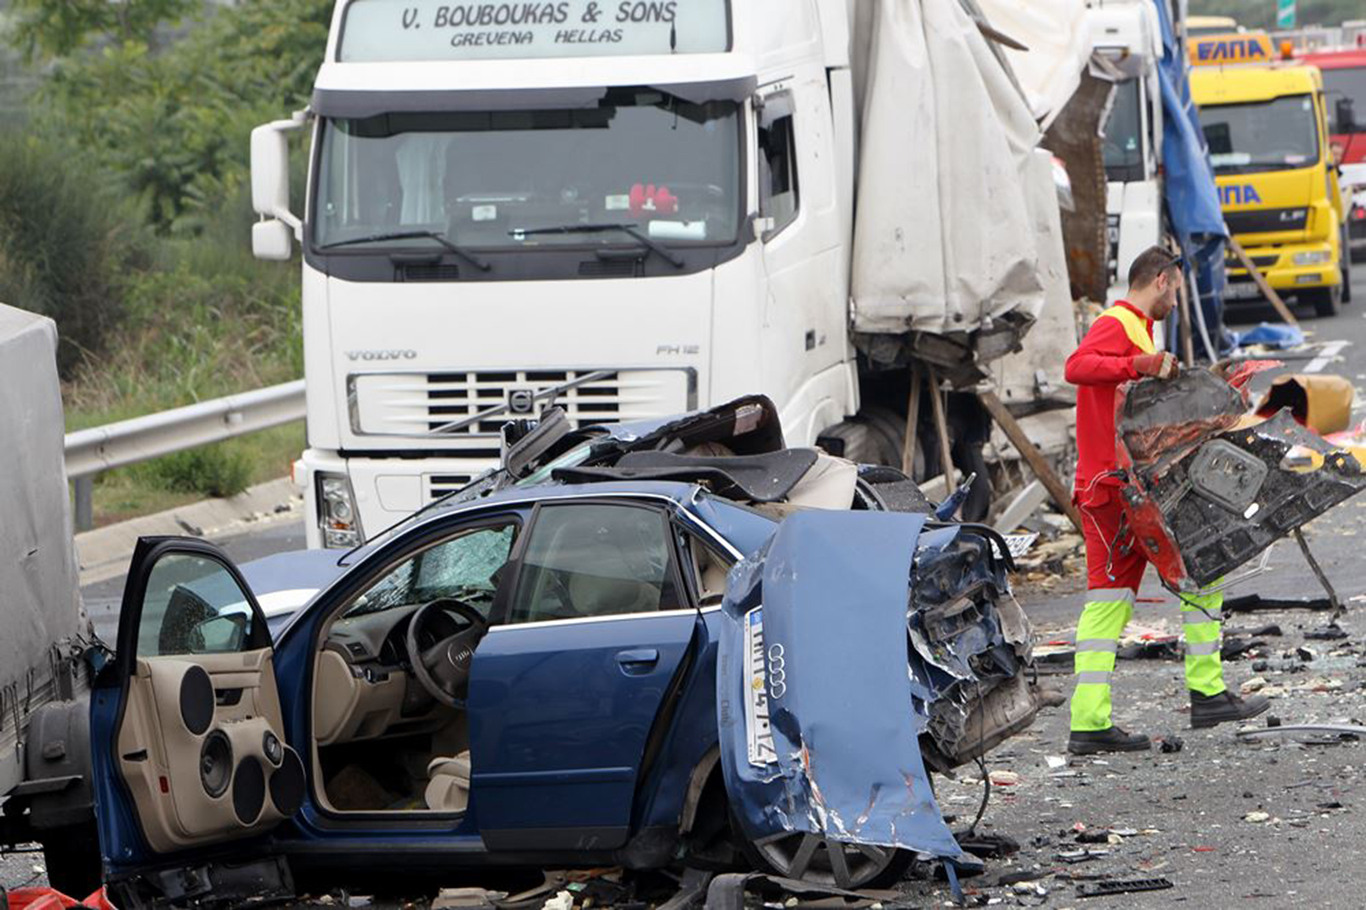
(448, 783)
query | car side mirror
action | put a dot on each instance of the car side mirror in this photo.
(219, 635)
(1344, 115)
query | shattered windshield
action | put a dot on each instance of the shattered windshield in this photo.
(1261, 136)
(492, 179)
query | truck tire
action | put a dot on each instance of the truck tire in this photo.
(72, 857)
(1326, 301)
(873, 436)
(856, 440)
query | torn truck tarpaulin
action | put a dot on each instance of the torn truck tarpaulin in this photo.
(1208, 487)
(818, 735)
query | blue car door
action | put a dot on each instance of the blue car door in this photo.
(187, 734)
(566, 687)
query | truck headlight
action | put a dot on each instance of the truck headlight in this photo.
(1312, 257)
(337, 512)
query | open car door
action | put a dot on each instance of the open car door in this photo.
(186, 729)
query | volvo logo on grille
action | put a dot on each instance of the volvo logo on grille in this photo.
(521, 401)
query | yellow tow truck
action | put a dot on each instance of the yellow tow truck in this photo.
(1265, 121)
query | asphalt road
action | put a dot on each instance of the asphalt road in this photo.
(1223, 821)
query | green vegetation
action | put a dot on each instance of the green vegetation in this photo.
(1262, 14)
(125, 215)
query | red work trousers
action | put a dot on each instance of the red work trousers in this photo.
(1111, 561)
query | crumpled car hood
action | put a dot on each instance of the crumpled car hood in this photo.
(817, 725)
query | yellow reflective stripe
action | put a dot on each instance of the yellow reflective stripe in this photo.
(1133, 327)
(1093, 678)
(1201, 648)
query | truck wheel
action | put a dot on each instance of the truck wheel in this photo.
(1326, 301)
(811, 858)
(873, 436)
(72, 857)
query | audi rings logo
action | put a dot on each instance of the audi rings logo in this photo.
(777, 672)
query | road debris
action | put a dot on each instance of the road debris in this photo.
(1129, 886)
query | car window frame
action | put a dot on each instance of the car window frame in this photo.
(507, 591)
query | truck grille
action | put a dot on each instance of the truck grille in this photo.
(1266, 220)
(416, 404)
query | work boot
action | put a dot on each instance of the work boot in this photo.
(1208, 710)
(1111, 739)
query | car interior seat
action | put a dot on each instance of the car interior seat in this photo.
(448, 783)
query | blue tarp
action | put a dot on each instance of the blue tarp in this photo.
(1191, 196)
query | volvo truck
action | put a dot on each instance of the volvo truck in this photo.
(632, 209)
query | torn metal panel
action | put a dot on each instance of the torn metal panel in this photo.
(1208, 486)
(818, 732)
(970, 642)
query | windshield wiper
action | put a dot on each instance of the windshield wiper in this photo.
(629, 229)
(478, 262)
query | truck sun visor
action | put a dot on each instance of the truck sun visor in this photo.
(357, 103)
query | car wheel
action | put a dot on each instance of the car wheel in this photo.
(811, 858)
(1326, 301)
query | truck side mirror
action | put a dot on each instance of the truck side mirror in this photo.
(269, 171)
(271, 238)
(1344, 114)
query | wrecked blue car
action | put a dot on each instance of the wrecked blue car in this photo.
(648, 646)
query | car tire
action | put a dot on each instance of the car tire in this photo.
(1326, 301)
(72, 857)
(811, 858)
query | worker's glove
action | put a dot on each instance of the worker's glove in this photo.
(1162, 365)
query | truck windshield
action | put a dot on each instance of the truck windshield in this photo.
(1346, 83)
(1123, 134)
(489, 179)
(1261, 136)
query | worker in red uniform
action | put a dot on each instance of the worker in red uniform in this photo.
(1118, 348)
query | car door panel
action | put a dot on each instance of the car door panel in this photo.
(173, 724)
(196, 745)
(559, 725)
(568, 684)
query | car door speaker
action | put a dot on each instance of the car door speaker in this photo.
(249, 790)
(287, 784)
(196, 700)
(215, 763)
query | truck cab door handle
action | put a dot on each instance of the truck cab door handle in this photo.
(637, 662)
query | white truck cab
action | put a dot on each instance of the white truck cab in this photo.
(631, 207)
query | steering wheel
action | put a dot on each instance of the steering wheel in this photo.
(444, 668)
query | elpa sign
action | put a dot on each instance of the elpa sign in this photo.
(432, 30)
(1214, 50)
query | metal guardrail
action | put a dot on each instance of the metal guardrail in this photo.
(116, 445)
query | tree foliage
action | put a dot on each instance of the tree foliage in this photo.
(173, 124)
(44, 28)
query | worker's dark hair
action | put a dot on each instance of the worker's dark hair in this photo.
(1149, 264)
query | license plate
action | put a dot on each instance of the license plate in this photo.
(1242, 291)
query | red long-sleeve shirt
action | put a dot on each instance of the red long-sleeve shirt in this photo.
(1103, 360)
